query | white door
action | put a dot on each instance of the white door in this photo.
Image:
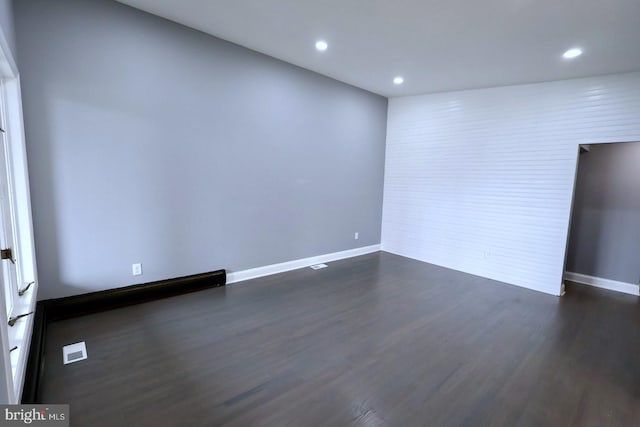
(7, 232)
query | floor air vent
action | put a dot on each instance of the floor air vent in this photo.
(318, 266)
(74, 352)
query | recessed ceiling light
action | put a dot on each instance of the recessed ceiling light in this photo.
(572, 53)
(398, 80)
(321, 45)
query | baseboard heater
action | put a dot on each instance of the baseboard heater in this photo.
(79, 305)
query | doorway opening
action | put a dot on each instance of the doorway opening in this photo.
(603, 247)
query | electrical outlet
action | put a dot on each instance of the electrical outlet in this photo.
(356, 236)
(136, 269)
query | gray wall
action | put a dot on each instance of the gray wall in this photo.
(6, 25)
(605, 232)
(151, 142)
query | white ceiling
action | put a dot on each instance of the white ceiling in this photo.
(436, 45)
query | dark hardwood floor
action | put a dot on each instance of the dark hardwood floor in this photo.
(377, 340)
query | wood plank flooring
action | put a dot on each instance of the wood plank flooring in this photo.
(377, 340)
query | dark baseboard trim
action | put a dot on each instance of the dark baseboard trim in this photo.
(79, 305)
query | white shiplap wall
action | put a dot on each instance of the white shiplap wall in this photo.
(481, 181)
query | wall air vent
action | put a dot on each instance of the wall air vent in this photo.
(74, 352)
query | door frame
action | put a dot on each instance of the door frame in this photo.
(13, 364)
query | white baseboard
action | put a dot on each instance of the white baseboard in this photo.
(598, 282)
(267, 270)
